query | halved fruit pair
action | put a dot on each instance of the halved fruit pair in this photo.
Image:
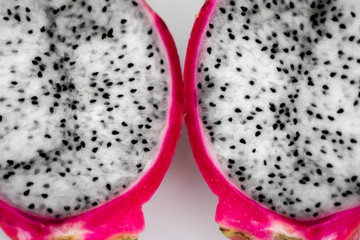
(91, 109)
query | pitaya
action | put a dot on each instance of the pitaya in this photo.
(272, 90)
(90, 114)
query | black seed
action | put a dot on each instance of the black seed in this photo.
(330, 180)
(29, 184)
(110, 33)
(17, 17)
(10, 162)
(333, 74)
(27, 167)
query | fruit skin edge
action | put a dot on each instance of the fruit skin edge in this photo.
(122, 218)
(239, 217)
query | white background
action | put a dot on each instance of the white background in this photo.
(183, 208)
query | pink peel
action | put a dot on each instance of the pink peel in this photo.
(122, 218)
(239, 217)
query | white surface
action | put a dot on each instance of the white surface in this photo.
(183, 208)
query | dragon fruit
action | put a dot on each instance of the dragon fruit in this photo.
(90, 114)
(272, 92)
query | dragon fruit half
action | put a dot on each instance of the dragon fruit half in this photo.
(90, 114)
(273, 90)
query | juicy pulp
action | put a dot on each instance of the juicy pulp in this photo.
(241, 83)
(82, 114)
(91, 111)
(278, 93)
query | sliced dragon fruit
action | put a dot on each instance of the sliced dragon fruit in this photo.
(90, 114)
(273, 90)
